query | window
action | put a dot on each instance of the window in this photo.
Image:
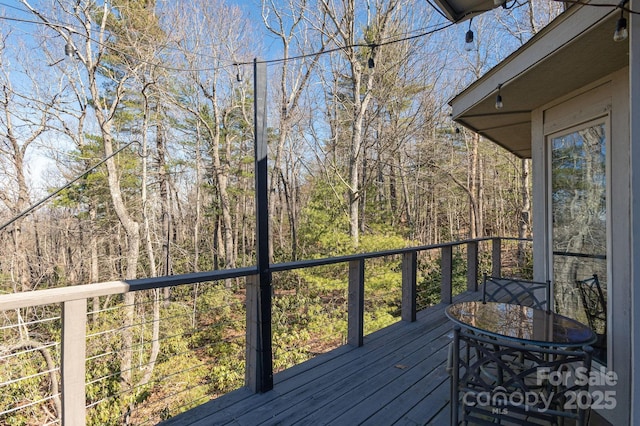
(579, 217)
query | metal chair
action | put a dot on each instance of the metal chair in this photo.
(594, 303)
(535, 294)
(595, 307)
(544, 393)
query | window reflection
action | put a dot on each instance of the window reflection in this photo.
(579, 215)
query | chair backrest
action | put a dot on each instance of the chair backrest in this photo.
(594, 303)
(535, 294)
(515, 382)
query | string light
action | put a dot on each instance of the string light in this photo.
(69, 50)
(499, 103)
(468, 38)
(621, 33)
(423, 33)
(371, 63)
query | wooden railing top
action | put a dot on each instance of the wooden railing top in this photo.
(84, 291)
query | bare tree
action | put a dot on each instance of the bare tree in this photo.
(344, 31)
(524, 19)
(24, 117)
(216, 101)
(289, 23)
(104, 50)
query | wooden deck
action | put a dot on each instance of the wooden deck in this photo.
(397, 377)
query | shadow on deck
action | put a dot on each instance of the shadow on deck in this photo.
(397, 377)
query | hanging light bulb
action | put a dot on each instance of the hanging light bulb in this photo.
(69, 50)
(371, 63)
(499, 103)
(238, 76)
(621, 32)
(468, 39)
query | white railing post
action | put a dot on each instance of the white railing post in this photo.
(74, 343)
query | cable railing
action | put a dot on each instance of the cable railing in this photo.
(150, 358)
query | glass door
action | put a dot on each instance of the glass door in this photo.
(579, 221)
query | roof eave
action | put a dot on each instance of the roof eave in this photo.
(556, 61)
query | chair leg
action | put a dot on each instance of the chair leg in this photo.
(449, 366)
(455, 377)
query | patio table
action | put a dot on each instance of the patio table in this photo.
(521, 324)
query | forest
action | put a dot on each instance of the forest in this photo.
(127, 151)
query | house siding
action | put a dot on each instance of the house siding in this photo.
(605, 97)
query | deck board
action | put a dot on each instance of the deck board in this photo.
(396, 373)
(413, 396)
(397, 377)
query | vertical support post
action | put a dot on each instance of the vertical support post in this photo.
(446, 266)
(253, 368)
(618, 355)
(496, 257)
(74, 345)
(472, 266)
(409, 293)
(355, 309)
(260, 378)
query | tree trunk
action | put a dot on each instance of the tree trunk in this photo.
(473, 187)
(525, 215)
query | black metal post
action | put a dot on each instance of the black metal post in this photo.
(409, 287)
(446, 265)
(355, 308)
(265, 362)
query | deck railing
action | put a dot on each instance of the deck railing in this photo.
(69, 400)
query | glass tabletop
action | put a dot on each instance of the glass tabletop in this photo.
(520, 323)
